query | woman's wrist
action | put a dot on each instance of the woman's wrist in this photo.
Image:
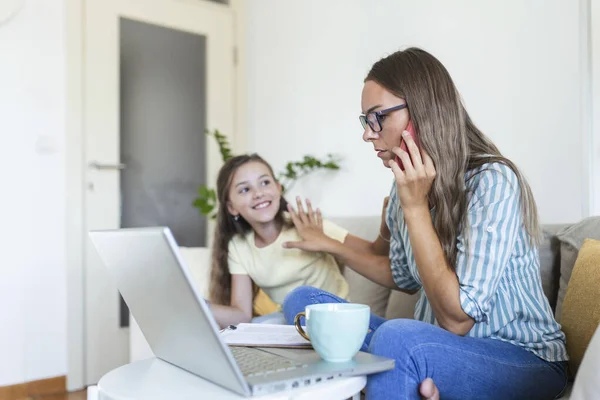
(332, 246)
(416, 213)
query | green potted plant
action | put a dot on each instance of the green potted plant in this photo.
(294, 170)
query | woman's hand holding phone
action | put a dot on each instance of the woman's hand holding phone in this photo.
(414, 172)
(411, 131)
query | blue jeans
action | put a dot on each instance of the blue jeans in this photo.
(461, 367)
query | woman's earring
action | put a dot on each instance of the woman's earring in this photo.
(236, 217)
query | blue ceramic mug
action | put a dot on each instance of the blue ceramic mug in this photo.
(335, 330)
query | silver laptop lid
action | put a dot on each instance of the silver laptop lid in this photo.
(158, 289)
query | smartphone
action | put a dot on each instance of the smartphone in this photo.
(410, 128)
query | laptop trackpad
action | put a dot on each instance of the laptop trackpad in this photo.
(301, 355)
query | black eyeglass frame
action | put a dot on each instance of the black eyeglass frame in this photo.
(364, 119)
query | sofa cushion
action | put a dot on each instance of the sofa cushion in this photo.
(571, 240)
(263, 305)
(365, 227)
(581, 308)
(401, 305)
(549, 251)
(364, 291)
(197, 260)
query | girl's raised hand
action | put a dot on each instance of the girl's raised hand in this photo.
(309, 225)
(308, 217)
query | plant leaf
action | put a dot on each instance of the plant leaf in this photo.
(222, 143)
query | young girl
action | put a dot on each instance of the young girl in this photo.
(252, 224)
(461, 229)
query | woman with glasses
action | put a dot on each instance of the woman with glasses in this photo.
(461, 228)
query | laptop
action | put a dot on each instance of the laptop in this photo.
(180, 329)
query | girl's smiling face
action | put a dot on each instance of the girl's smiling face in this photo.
(254, 193)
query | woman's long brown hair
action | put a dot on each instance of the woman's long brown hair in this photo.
(450, 137)
(227, 228)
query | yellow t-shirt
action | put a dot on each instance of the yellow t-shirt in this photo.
(277, 271)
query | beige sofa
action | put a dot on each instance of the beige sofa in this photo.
(557, 256)
(558, 253)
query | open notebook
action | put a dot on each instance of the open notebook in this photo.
(264, 335)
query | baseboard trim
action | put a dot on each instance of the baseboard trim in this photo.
(41, 387)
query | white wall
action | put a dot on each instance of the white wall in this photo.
(516, 63)
(33, 341)
(595, 68)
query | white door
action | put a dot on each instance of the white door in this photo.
(106, 339)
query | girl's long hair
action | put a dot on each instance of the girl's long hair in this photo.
(450, 137)
(227, 227)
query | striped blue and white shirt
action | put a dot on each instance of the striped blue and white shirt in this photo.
(498, 272)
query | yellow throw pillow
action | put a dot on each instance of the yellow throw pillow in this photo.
(263, 304)
(581, 308)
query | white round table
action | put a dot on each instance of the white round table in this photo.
(154, 379)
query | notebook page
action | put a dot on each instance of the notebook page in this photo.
(264, 335)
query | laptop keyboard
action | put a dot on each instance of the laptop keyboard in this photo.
(255, 362)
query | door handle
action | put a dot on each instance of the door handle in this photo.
(104, 167)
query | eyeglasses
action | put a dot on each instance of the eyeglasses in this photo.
(374, 118)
